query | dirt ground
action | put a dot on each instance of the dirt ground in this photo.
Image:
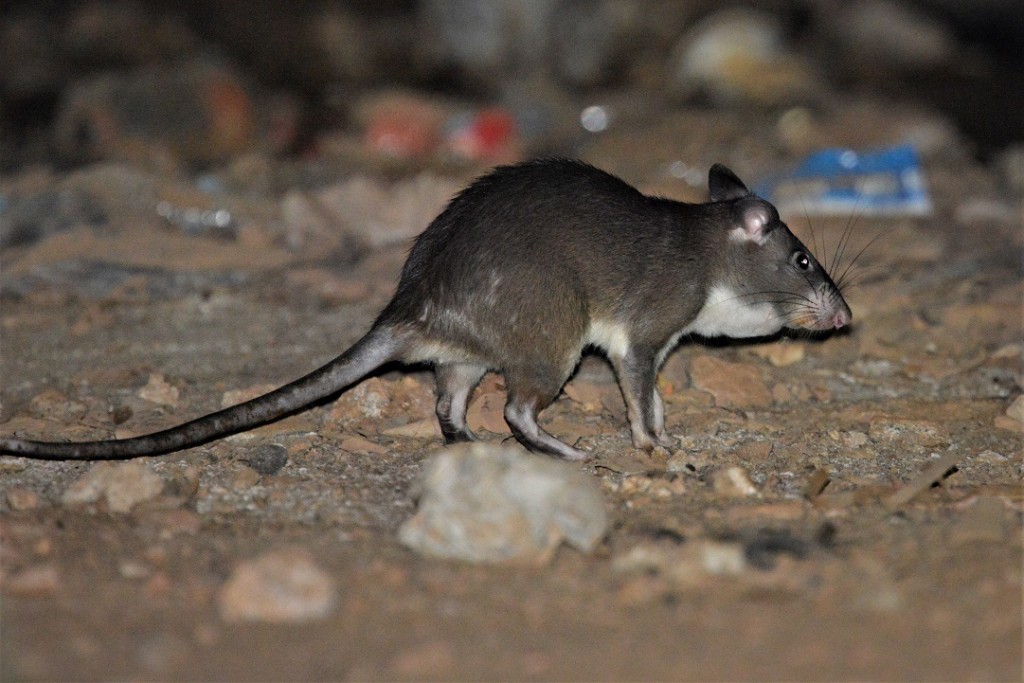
(847, 507)
(837, 580)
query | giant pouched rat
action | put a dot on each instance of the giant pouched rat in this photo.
(527, 267)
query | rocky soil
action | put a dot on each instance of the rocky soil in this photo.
(840, 507)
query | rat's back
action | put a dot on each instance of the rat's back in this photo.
(520, 244)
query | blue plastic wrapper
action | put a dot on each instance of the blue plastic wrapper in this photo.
(886, 182)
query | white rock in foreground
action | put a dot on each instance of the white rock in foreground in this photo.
(280, 586)
(487, 503)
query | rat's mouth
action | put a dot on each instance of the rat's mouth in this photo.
(832, 321)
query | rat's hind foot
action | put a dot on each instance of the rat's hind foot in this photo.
(522, 420)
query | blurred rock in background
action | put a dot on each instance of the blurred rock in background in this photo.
(194, 83)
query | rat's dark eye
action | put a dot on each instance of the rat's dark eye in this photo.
(801, 260)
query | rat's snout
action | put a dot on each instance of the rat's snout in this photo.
(841, 319)
(824, 310)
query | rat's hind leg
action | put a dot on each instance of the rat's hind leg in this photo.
(455, 382)
(525, 400)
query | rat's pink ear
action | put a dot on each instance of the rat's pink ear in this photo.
(723, 185)
(755, 218)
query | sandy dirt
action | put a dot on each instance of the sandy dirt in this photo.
(779, 541)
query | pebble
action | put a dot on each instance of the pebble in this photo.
(32, 582)
(358, 444)
(123, 486)
(21, 499)
(266, 458)
(370, 397)
(279, 586)
(1013, 419)
(916, 433)
(427, 428)
(686, 566)
(244, 479)
(853, 439)
(486, 503)
(133, 569)
(733, 482)
(159, 390)
(781, 355)
(755, 451)
(734, 385)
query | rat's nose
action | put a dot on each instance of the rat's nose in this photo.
(841, 319)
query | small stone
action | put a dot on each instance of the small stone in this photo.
(1013, 420)
(722, 559)
(244, 479)
(734, 482)
(53, 403)
(158, 390)
(281, 586)
(816, 483)
(43, 547)
(267, 459)
(781, 355)
(1009, 424)
(358, 444)
(426, 428)
(133, 569)
(991, 457)
(754, 451)
(159, 584)
(919, 433)
(681, 462)
(734, 385)
(854, 439)
(688, 566)
(123, 486)
(21, 499)
(372, 397)
(486, 503)
(32, 582)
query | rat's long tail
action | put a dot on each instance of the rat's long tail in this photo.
(380, 345)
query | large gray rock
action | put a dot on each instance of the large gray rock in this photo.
(487, 503)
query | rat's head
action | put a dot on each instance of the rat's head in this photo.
(767, 268)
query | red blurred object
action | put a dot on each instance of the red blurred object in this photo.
(486, 135)
(403, 126)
